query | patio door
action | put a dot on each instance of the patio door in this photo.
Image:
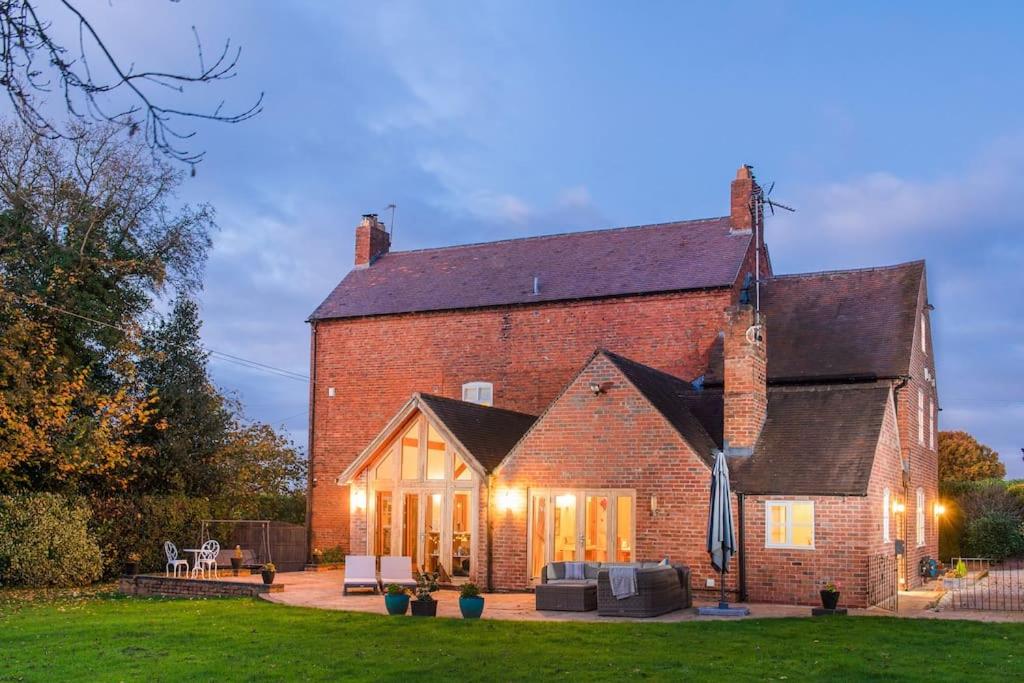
(580, 525)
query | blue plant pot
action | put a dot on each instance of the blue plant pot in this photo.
(471, 608)
(396, 604)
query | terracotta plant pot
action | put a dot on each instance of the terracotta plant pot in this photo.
(829, 599)
(268, 577)
(471, 608)
(397, 604)
(424, 608)
(236, 564)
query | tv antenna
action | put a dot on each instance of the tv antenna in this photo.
(759, 199)
(392, 208)
(766, 199)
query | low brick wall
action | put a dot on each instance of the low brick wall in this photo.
(169, 586)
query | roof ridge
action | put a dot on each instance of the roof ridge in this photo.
(841, 271)
(424, 394)
(570, 233)
(615, 356)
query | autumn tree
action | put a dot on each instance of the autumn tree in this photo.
(963, 458)
(90, 235)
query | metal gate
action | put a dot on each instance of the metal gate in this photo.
(884, 582)
(988, 585)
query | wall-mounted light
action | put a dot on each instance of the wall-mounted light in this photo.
(508, 499)
(358, 499)
(940, 509)
(600, 387)
(898, 507)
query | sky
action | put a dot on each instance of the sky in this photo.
(896, 132)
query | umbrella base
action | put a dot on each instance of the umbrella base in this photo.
(723, 611)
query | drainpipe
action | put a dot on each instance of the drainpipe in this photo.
(310, 479)
(740, 500)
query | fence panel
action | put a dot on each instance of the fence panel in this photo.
(989, 585)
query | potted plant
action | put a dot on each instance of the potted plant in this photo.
(829, 595)
(318, 556)
(131, 565)
(236, 560)
(396, 599)
(424, 605)
(268, 573)
(471, 603)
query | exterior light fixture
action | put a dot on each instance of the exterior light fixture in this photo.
(600, 387)
(507, 500)
(940, 509)
(898, 507)
(358, 499)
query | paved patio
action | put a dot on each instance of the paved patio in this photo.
(322, 590)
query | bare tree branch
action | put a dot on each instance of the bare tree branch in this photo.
(33, 65)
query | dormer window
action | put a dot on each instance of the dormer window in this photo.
(478, 392)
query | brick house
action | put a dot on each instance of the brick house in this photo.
(489, 408)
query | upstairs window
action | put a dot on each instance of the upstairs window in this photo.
(931, 424)
(478, 392)
(924, 332)
(920, 417)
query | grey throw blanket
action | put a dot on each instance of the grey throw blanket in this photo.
(574, 571)
(623, 582)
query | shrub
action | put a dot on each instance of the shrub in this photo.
(45, 541)
(996, 534)
(469, 590)
(335, 554)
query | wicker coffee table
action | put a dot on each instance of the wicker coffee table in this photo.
(566, 597)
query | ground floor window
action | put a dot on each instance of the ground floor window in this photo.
(595, 525)
(789, 524)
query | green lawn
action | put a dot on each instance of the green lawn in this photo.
(106, 638)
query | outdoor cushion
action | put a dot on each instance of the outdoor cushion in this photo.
(590, 570)
(360, 572)
(555, 570)
(572, 582)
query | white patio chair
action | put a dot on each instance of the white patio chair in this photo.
(360, 572)
(207, 560)
(397, 570)
(173, 563)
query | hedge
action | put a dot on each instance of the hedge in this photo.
(48, 539)
(45, 541)
(962, 533)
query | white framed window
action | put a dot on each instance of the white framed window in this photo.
(478, 392)
(886, 507)
(931, 424)
(920, 417)
(789, 524)
(920, 516)
(924, 332)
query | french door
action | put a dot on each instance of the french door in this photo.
(591, 525)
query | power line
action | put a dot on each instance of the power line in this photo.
(219, 355)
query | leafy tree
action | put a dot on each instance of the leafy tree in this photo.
(963, 458)
(88, 238)
(193, 422)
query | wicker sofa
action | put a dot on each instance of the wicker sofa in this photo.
(659, 590)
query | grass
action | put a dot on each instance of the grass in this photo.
(100, 638)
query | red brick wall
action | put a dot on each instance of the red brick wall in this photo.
(612, 440)
(924, 462)
(745, 379)
(528, 352)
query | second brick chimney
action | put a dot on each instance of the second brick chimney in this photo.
(372, 241)
(743, 208)
(745, 380)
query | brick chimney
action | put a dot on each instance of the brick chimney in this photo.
(745, 380)
(372, 241)
(743, 206)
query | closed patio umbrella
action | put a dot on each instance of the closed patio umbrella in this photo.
(721, 537)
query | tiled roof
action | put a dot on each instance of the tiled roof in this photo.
(668, 395)
(816, 441)
(487, 433)
(851, 324)
(638, 260)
